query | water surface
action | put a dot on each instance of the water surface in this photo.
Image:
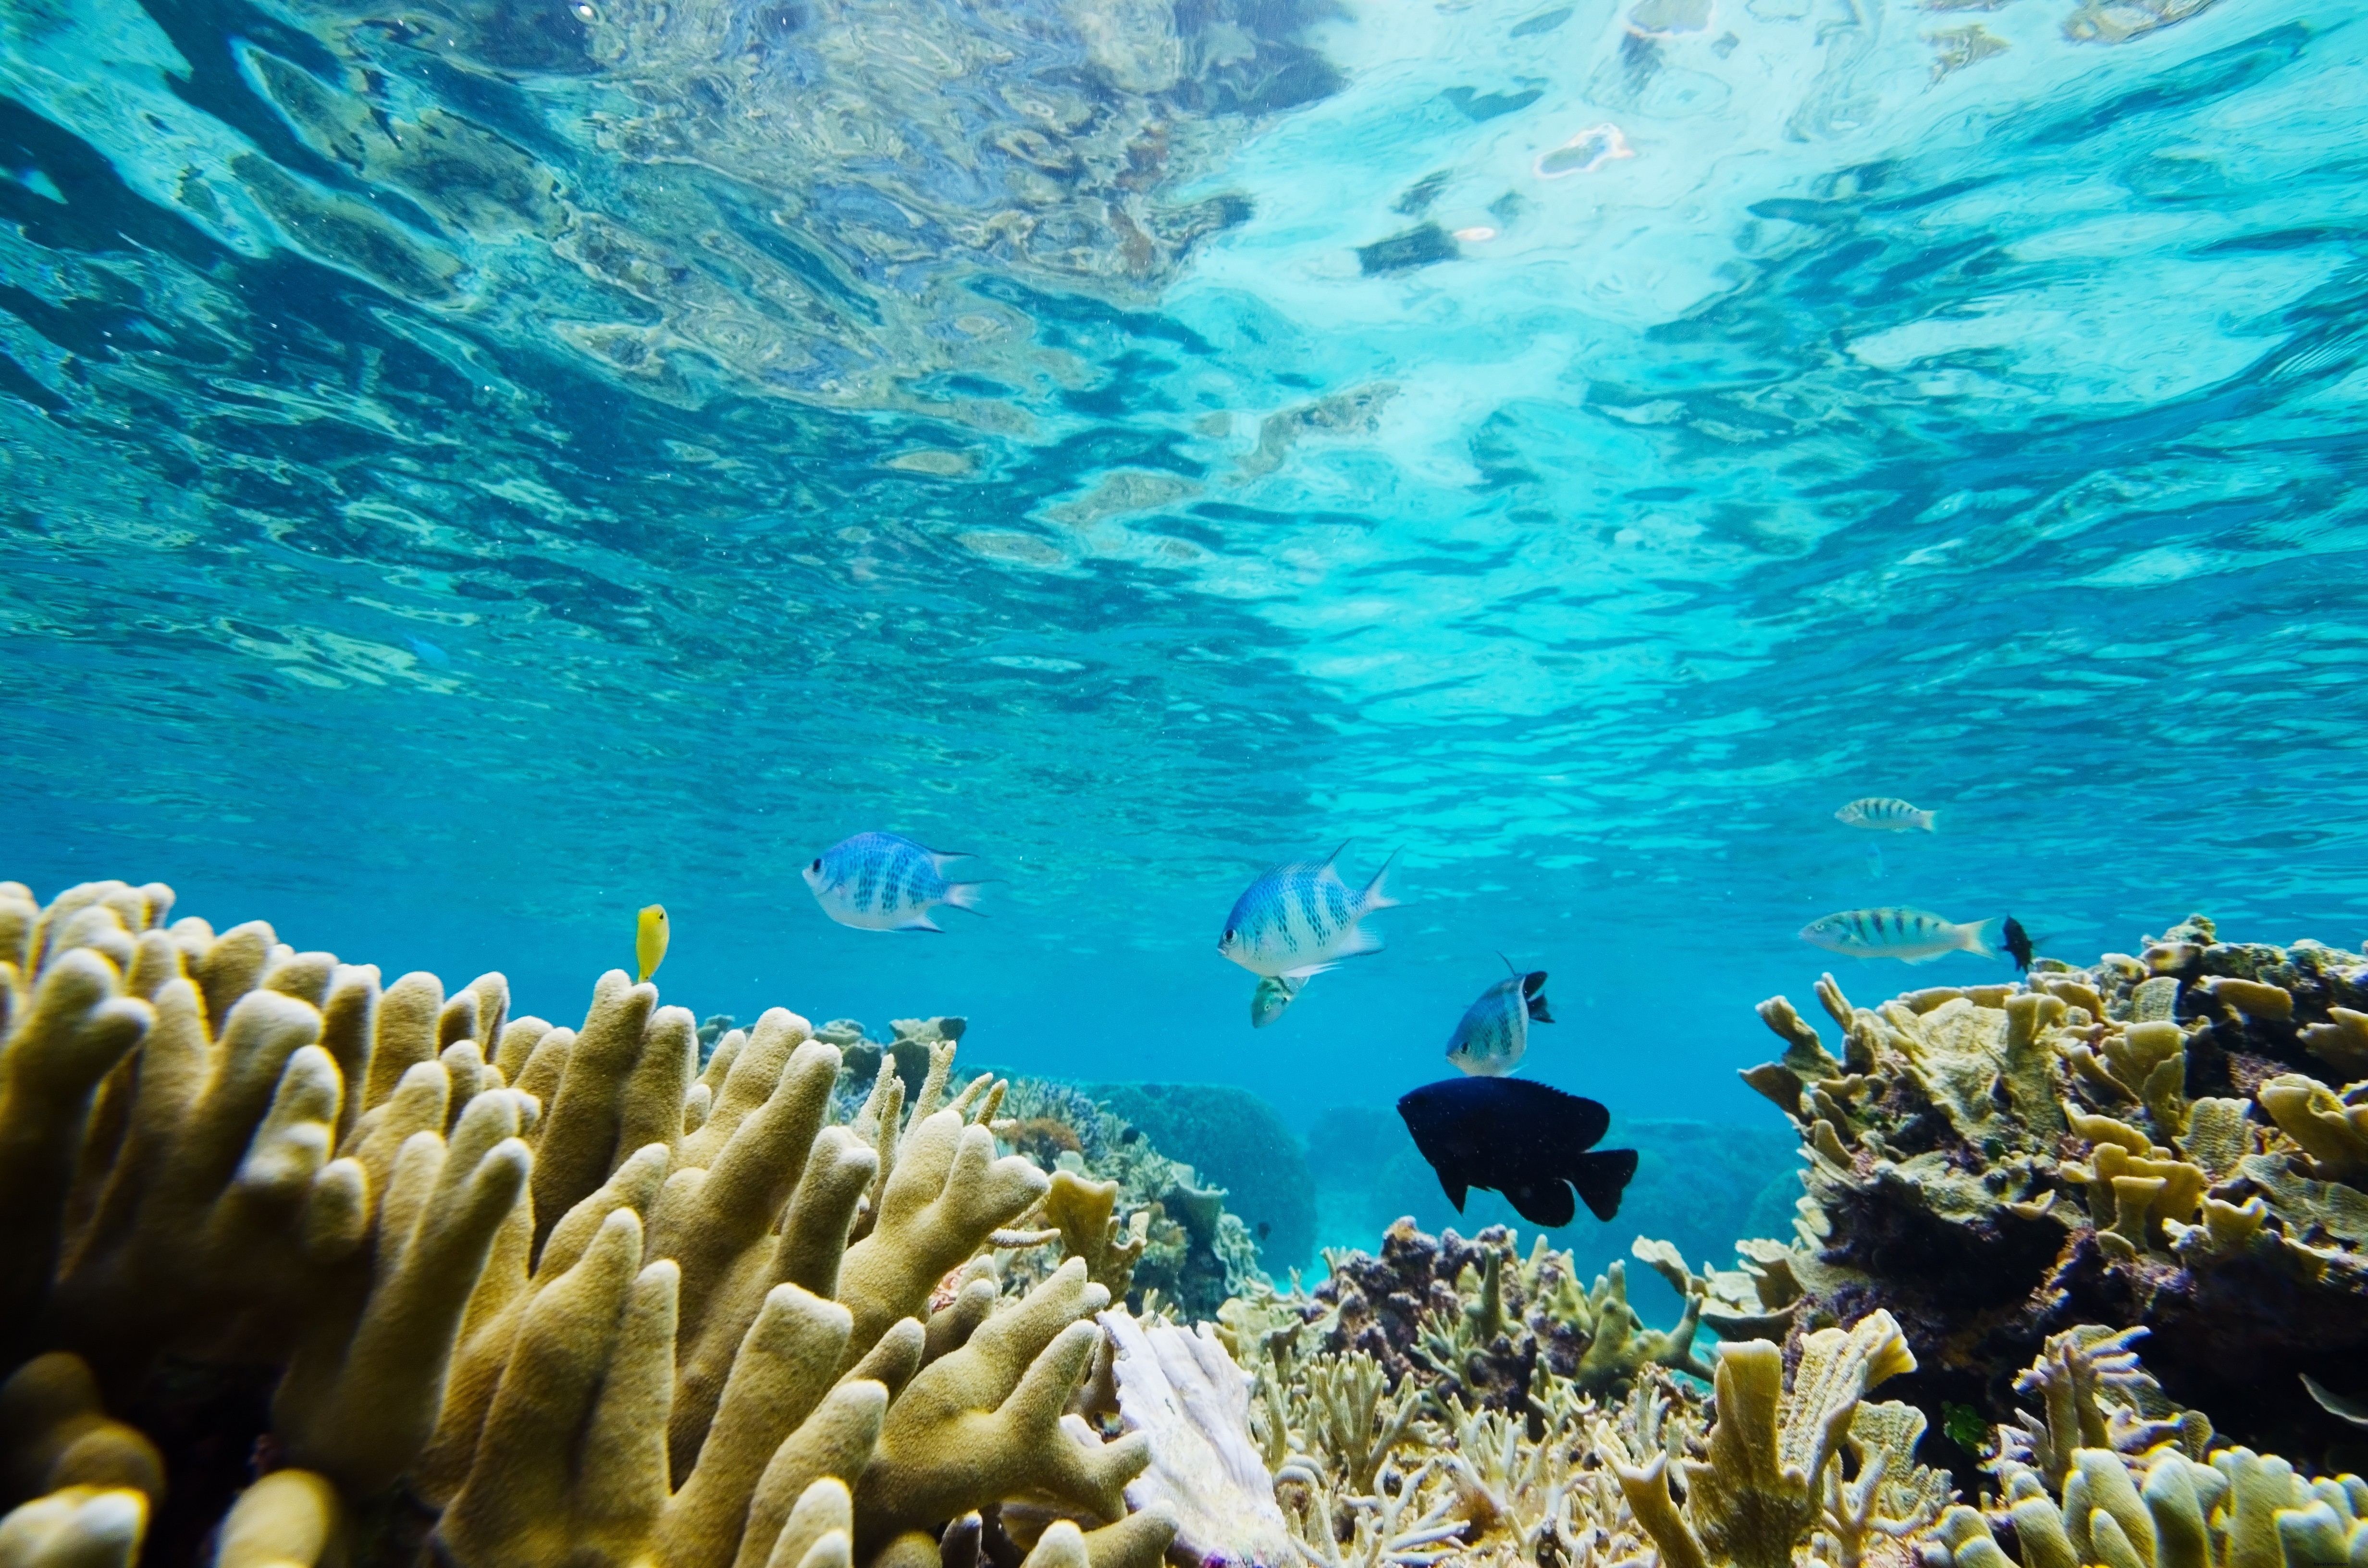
(475, 469)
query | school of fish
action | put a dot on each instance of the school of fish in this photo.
(1531, 1142)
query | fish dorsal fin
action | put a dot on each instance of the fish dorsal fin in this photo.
(1332, 860)
(1509, 968)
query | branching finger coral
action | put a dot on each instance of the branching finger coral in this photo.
(612, 1314)
(985, 1422)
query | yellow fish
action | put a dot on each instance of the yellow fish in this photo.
(650, 940)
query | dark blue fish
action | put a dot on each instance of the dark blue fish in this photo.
(1529, 1142)
(2017, 941)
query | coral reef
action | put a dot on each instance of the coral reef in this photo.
(451, 1286)
(1473, 1322)
(1193, 1251)
(515, 1294)
(1698, 1186)
(2142, 1142)
(1235, 1141)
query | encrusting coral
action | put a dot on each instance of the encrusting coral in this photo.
(542, 1295)
(2143, 1142)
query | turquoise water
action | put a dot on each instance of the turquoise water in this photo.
(474, 470)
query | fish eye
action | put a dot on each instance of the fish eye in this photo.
(816, 866)
(1228, 936)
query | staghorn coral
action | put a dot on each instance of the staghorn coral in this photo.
(630, 1310)
(2129, 1144)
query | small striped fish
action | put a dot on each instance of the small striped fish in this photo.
(1494, 1033)
(1884, 813)
(877, 882)
(1301, 919)
(1273, 994)
(1912, 936)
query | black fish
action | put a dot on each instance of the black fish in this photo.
(1526, 1141)
(2017, 941)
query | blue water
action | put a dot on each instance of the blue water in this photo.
(477, 469)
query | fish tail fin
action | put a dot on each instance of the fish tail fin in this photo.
(1361, 943)
(1374, 896)
(1926, 819)
(1973, 937)
(1603, 1177)
(965, 895)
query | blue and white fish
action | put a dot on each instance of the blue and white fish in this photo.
(1912, 936)
(1885, 813)
(878, 881)
(1494, 1033)
(1301, 919)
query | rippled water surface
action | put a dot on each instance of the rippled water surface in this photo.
(475, 469)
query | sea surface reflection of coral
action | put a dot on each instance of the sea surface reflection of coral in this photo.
(307, 1268)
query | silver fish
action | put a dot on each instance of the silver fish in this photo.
(1495, 1032)
(1885, 813)
(878, 881)
(1912, 936)
(1274, 994)
(1301, 919)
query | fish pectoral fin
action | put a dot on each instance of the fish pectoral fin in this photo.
(1601, 1178)
(1546, 1203)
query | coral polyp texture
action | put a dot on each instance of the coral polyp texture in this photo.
(2176, 1140)
(503, 1293)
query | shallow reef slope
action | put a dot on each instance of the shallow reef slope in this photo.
(2163, 1140)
